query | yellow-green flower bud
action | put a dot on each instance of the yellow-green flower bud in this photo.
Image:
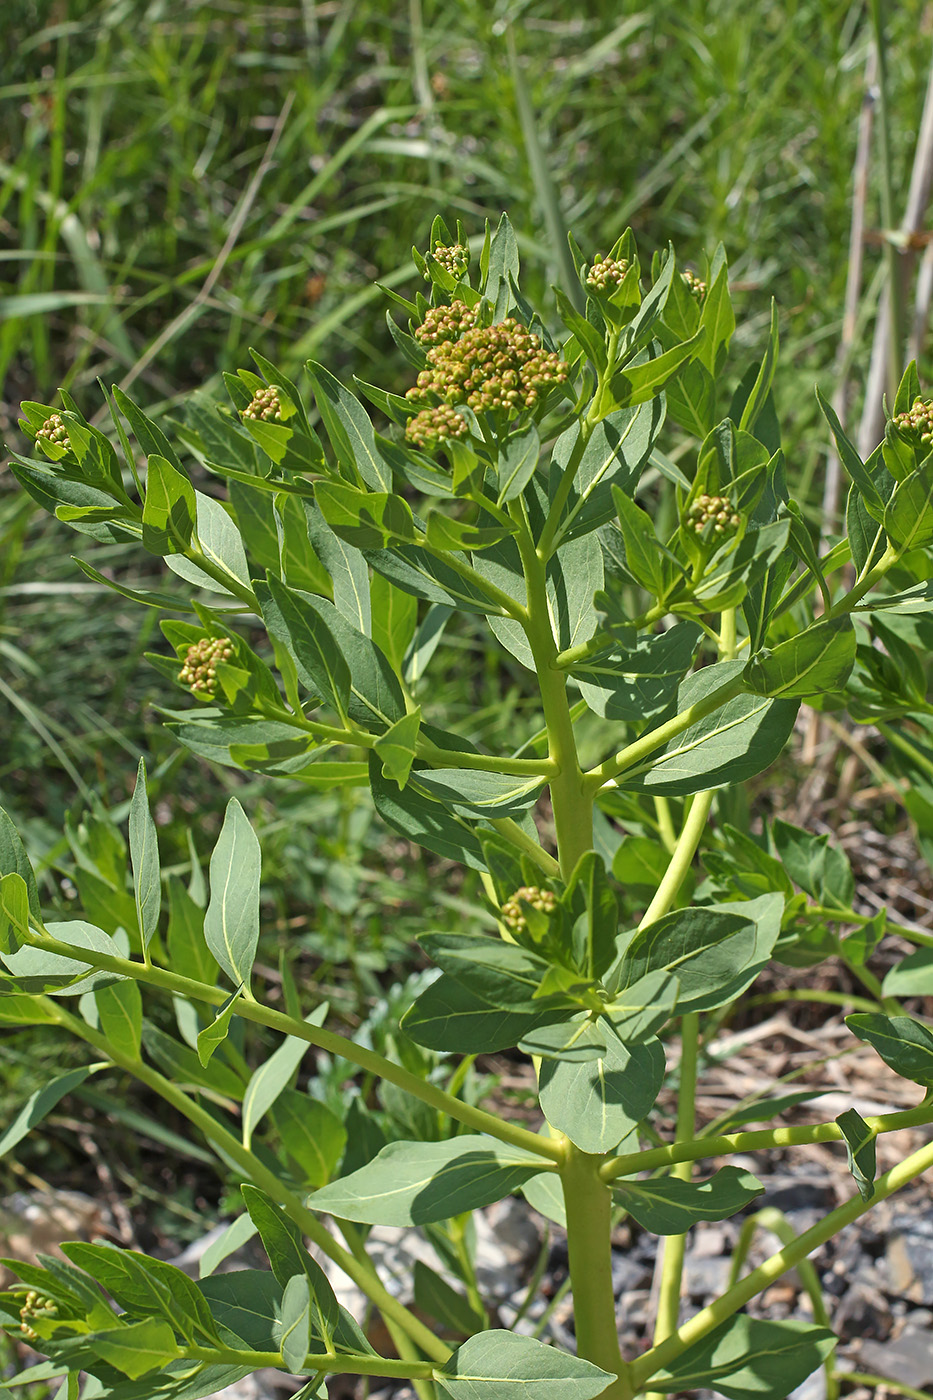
(511, 914)
(916, 422)
(53, 430)
(265, 406)
(199, 670)
(715, 510)
(606, 273)
(453, 258)
(695, 285)
(489, 367)
(432, 427)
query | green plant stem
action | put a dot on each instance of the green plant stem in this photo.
(588, 1202)
(849, 916)
(759, 1279)
(634, 754)
(231, 1147)
(823, 998)
(368, 1060)
(864, 1378)
(760, 1140)
(666, 894)
(675, 1246)
(855, 595)
(665, 824)
(331, 1362)
(571, 803)
(511, 830)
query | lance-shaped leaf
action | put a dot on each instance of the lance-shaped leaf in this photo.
(423, 819)
(475, 793)
(144, 855)
(903, 1043)
(860, 1151)
(120, 1010)
(517, 463)
(231, 923)
(147, 1287)
(322, 668)
(66, 975)
(38, 1106)
(703, 948)
(295, 1323)
(136, 1348)
(597, 1103)
(859, 474)
(816, 662)
(735, 742)
(908, 516)
(396, 747)
(441, 532)
(667, 1206)
(911, 977)
(365, 519)
(747, 1358)
(498, 1365)
(216, 1032)
(449, 1016)
(14, 912)
(169, 509)
(638, 682)
(645, 375)
(274, 1075)
(350, 431)
(288, 1258)
(415, 1183)
(14, 860)
(504, 974)
(311, 1134)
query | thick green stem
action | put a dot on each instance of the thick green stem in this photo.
(230, 1145)
(763, 1139)
(759, 1279)
(680, 862)
(675, 1246)
(588, 1202)
(330, 1362)
(368, 1060)
(571, 803)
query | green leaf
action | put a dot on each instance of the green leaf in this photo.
(644, 554)
(274, 1075)
(822, 870)
(434, 1296)
(449, 1016)
(346, 567)
(858, 473)
(394, 620)
(599, 1102)
(38, 1106)
(860, 1151)
(761, 388)
(220, 542)
(498, 1365)
(501, 267)
(233, 1238)
(295, 1324)
(310, 1134)
(248, 1303)
(396, 747)
(908, 516)
(911, 977)
(231, 923)
(147, 1287)
(817, 661)
(14, 860)
(288, 1258)
(444, 533)
(735, 742)
(350, 431)
(474, 793)
(639, 682)
(188, 953)
(423, 820)
(322, 668)
(14, 912)
(415, 1183)
(616, 452)
(904, 1044)
(120, 1009)
(67, 976)
(144, 854)
(668, 1206)
(182, 1065)
(365, 519)
(746, 1358)
(217, 1031)
(517, 463)
(504, 974)
(136, 1348)
(169, 508)
(646, 375)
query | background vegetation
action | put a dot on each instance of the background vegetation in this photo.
(180, 182)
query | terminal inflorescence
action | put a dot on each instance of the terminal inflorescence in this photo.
(491, 367)
(716, 509)
(917, 421)
(199, 670)
(53, 430)
(606, 273)
(545, 901)
(265, 405)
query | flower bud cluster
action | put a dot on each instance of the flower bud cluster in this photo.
(199, 671)
(35, 1305)
(917, 422)
(503, 366)
(443, 324)
(607, 273)
(695, 285)
(54, 430)
(433, 426)
(545, 901)
(715, 509)
(265, 405)
(453, 258)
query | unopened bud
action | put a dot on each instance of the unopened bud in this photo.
(53, 430)
(265, 406)
(199, 671)
(715, 510)
(432, 427)
(511, 913)
(606, 273)
(453, 258)
(916, 422)
(695, 285)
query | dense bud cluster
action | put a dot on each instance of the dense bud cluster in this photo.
(717, 509)
(545, 901)
(917, 422)
(442, 324)
(503, 366)
(606, 273)
(433, 426)
(453, 258)
(35, 1305)
(695, 285)
(200, 666)
(54, 430)
(265, 405)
